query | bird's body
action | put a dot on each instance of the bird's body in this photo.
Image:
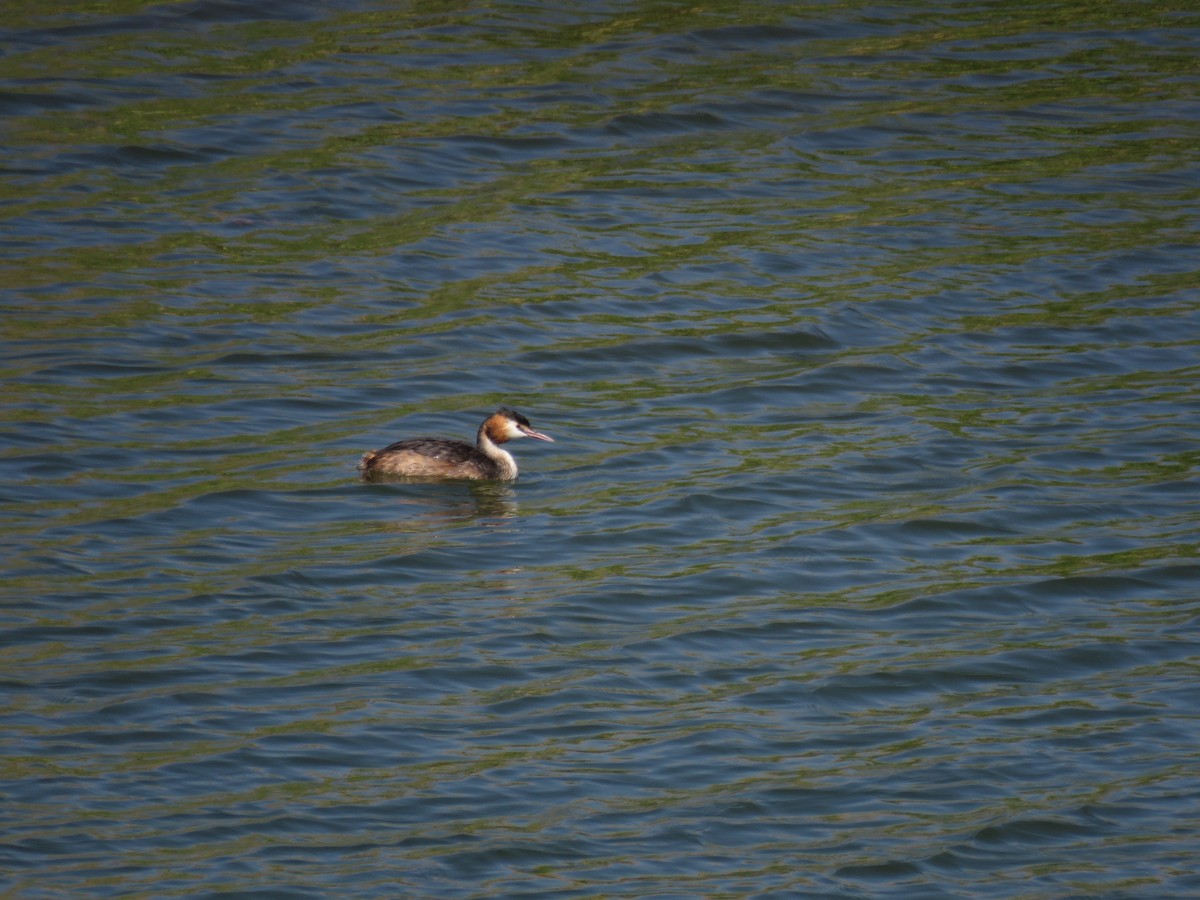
(438, 458)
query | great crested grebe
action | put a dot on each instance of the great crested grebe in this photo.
(435, 458)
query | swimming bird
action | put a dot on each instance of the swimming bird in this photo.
(436, 458)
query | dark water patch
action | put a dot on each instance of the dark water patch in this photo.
(741, 37)
(163, 18)
(13, 103)
(507, 148)
(134, 157)
(664, 123)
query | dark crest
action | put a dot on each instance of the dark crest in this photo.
(514, 415)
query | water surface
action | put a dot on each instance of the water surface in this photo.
(864, 563)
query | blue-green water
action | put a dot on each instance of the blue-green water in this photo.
(864, 563)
